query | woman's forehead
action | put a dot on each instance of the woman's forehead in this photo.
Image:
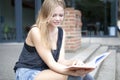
(58, 9)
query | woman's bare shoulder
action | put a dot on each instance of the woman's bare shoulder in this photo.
(35, 30)
(32, 32)
(34, 36)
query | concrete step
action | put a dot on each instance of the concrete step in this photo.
(86, 53)
(82, 51)
(107, 69)
(118, 66)
(101, 50)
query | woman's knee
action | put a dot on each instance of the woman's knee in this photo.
(50, 75)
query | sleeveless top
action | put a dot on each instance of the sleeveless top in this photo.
(29, 57)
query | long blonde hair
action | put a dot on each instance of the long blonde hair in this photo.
(42, 20)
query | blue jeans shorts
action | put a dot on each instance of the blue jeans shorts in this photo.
(26, 74)
(29, 74)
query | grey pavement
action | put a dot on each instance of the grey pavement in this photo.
(9, 53)
(102, 41)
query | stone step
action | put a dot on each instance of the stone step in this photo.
(86, 53)
(118, 66)
(89, 53)
(107, 69)
(101, 50)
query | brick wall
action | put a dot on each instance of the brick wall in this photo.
(72, 26)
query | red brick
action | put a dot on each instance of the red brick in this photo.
(72, 25)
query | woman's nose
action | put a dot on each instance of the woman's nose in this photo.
(57, 18)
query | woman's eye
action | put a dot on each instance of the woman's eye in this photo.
(61, 15)
(54, 15)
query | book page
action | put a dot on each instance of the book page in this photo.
(81, 67)
(92, 64)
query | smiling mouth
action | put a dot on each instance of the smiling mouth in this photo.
(57, 23)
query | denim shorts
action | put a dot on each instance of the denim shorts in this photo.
(26, 74)
(29, 74)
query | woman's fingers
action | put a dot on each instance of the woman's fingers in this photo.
(77, 62)
(74, 63)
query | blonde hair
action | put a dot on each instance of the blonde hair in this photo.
(42, 20)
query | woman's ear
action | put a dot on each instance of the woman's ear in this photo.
(48, 20)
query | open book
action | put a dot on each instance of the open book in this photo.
(92, 64)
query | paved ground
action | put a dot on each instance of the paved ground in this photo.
(103, 41)
(8, 55)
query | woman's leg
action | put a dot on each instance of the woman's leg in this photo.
(88, 77)
(49, 75)
(74, 78)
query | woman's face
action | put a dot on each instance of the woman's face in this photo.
(57, 17)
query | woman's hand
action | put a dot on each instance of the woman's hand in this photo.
(81, 71)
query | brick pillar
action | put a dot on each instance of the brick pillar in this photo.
(72, 26)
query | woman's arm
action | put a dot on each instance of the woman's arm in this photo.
(44, 53)
(72, 61)
(47, 57)
(62, 59)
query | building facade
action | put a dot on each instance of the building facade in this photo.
(18, 15)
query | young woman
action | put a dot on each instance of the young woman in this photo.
(42, 57)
